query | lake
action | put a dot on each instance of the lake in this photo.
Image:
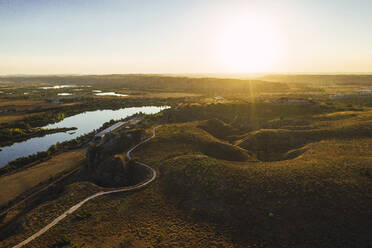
(110, 94)
(64, 94)
(84, 122)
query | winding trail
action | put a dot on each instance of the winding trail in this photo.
(78, 205)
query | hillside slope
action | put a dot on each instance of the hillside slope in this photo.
(318, 197)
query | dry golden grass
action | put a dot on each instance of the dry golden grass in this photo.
(26, 105)
(15, 184)
(167, 95)
(38, 216)
(321, 198)
(204, 198)
(139, 219)
(10, 118)
(19, 103)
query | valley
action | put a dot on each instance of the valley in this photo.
(232, 163)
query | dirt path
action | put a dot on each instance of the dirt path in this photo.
(78, 205)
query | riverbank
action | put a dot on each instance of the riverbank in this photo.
(86, 122)
(7, 139)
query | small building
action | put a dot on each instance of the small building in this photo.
(110, 129)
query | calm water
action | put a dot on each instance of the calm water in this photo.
(110, 94)
(64, 94)
(58, 87)
(85, 123)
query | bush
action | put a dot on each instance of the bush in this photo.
(61, 242)
(83, 215)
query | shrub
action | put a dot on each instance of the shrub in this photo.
(61, 242)
(83, 215)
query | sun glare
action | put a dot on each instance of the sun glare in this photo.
(249, 45)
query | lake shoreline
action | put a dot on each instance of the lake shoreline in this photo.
(37, 133)
(82, 123)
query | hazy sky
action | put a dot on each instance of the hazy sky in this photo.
(190, 36)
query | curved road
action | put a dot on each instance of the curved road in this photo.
(78, 205)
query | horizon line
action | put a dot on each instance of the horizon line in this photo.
(188, 73)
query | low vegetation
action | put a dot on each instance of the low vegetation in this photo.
(81, 215)
(23, 181)
(279, 164)
(300, 198)
(61, 242)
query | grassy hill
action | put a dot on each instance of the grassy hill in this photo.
(231, 175)
(183, 139)
(316, 194)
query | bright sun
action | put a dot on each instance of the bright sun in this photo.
(249, 45)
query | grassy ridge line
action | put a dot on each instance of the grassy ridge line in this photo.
(192, 139)
(272, 144)
(78, 205)
(330, 178)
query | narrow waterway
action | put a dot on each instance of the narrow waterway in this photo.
(84, 122)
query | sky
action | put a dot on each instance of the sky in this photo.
(190, 36)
